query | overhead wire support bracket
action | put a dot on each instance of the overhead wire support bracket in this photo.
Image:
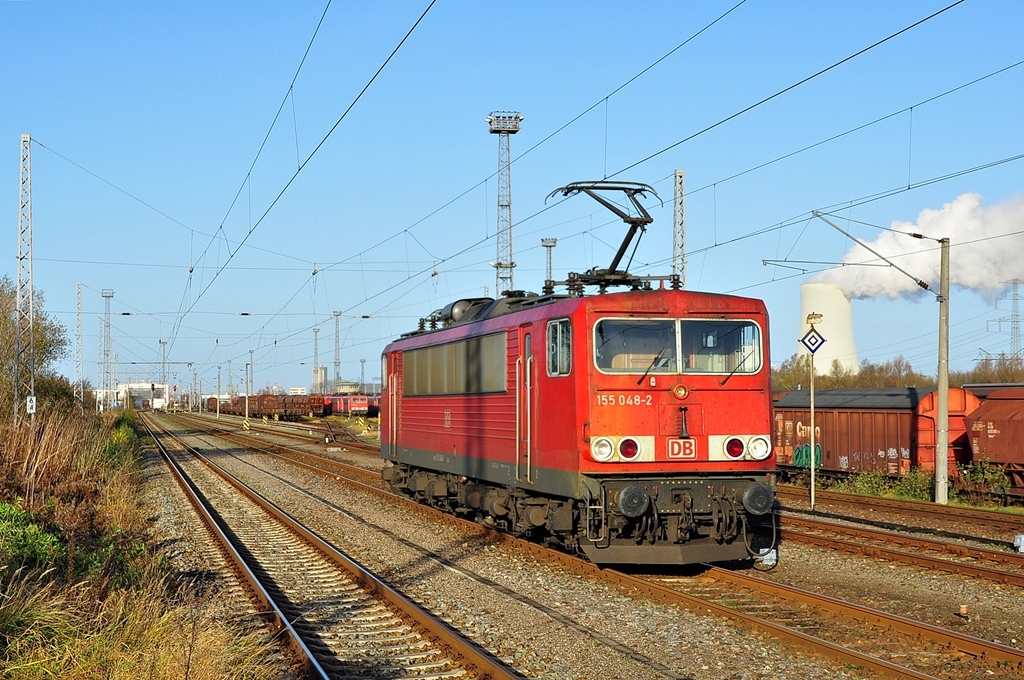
(919, 282)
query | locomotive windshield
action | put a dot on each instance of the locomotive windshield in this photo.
(635, 345)
(656, 346)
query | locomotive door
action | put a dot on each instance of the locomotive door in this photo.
(524, 406)
(395, 385)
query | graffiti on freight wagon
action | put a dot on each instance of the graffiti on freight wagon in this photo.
(802, 456)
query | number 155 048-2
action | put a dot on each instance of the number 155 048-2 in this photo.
(625, 400)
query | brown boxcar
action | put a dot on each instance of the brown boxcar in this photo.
(859, 430)
(996, 432)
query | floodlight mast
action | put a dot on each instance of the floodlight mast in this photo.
(613, 276)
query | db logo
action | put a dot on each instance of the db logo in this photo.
(685, 449)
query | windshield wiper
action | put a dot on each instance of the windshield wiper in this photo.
(652, 364)
(738, 367)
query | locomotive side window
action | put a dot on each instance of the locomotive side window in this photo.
(635, 346)
(720, 346)
(471, 366)
(559, 347)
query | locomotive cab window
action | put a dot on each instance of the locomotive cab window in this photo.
(720, 346)
(559, 347)
(635, 346)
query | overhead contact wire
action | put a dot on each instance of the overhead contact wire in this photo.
(309, 157)
(790, 87)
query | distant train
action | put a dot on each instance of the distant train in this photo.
(275, 407)
(350, 404)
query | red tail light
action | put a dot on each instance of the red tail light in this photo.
(734, 448)
(629, 449)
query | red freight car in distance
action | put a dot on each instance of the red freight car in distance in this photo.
(865, 429)
(632, 427)
(996, 431)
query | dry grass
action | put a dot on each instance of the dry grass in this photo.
(129, 634)
(81, 595)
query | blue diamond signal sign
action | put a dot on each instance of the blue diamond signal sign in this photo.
(813, 340)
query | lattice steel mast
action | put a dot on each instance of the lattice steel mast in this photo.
(99, 367)
(163, 365)
(337, 351)
(24, 312)
(317, 387)
(108, 348)
(79, 386)
(504, 124)
(549, 244)
(679, 230)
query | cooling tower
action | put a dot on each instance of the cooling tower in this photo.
(836, 326)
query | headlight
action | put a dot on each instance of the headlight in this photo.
(629, 449)
(602, 449)
(759, 448)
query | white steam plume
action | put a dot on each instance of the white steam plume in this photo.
(980, 265)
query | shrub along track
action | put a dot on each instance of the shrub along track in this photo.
(338, 619)
(826, 626)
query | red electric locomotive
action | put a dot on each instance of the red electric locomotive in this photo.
(633, 427)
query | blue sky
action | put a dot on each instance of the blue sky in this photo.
(148, 116)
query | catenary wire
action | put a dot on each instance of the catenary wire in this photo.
(288, 184)
(787, 89)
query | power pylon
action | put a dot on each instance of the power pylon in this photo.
(1014, 318)
(679, 230)
(504, 124)
(24, 312)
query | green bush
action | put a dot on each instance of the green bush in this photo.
(872, 483)
(23, 541)
(120, 447)
(917, 485)
(980, 481)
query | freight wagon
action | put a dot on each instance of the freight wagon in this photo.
(996, 432)
(891, 430)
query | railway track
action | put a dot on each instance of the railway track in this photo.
(958, 558)
(860, 637)
(905, 643)
(340, 436)
(950, 557)
(340, 620)
(983, 520)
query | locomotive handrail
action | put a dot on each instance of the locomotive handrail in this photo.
(529, 420)
(519, 428)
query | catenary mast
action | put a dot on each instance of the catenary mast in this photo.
(679, 229)
(79, 386)
(24, 313)
(337, 351)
